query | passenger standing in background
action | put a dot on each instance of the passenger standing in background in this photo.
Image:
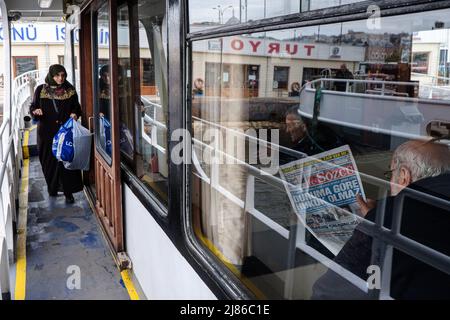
(53, 104)
(343, 73)
(104, 108)
(104, 86)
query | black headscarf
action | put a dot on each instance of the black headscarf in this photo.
(103, 85)
(53, 71)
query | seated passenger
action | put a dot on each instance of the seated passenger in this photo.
(343, 73)
(415, 165)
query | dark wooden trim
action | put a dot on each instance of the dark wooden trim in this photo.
(116, 193)
(135, 72)
(114, 85)
(107, 175)
(86, 77)
(90, 196)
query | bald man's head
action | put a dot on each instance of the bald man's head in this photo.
(415, 160)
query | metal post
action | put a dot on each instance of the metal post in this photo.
(248, 207)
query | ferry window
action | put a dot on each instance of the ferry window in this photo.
(24, 64)
(124, 83)
(314, 5)
(420, 62)
(103, 86)
(151, 145)
(234, 77)
(147, 76)
(277, 180)
(280, 78)
(228, 12)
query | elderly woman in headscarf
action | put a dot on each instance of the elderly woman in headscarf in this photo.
(53, 104)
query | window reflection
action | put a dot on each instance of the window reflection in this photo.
(151, 146)
(76, 49)
(341, 91)
(228, 12)
(124, 83)
(103, 105)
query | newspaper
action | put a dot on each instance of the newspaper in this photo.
(322, 190)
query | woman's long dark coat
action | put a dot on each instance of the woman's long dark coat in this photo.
(58, 178)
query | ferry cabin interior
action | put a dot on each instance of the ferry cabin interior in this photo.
(178, 94)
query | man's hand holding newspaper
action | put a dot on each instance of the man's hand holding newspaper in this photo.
(327, 195)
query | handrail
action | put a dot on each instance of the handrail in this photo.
(251, 138)
(10, 159)
(349, 82)
(153, 138)
(430, 76)
(382, 92)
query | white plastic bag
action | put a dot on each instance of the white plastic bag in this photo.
(82, 148)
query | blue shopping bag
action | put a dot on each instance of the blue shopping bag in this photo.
(81, 148)
(62, 147)
(105, 135)
(126, 140)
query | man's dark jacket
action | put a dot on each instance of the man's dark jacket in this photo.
(410, 278)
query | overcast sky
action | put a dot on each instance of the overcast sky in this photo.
(199, 12)
(202, 11)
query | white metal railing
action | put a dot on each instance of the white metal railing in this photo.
(156, 125)
(23, 87)
(433, 87)
(368, 87)
(433, 80)
(10, 165)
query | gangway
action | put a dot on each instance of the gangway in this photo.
(25, 211)
(11, 137)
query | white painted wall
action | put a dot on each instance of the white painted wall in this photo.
(162, 272)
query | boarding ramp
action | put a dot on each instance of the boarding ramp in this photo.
(11, 157)
(41, 238)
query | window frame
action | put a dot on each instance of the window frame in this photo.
(426, 54)
(143, 192)
(276, 68)
(95, 76)
(35, 58)
(345, 13)
(130, 161)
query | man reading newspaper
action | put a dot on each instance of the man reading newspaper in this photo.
(323, 191)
